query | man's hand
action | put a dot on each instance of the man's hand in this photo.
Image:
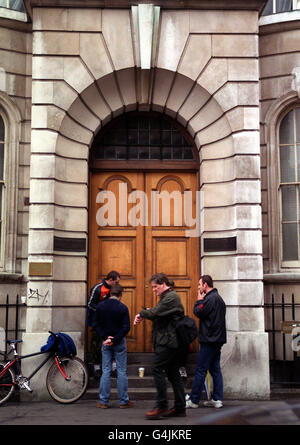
(108, 341)
(200, 295)
(137, 319)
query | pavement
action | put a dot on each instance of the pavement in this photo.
(116, 422)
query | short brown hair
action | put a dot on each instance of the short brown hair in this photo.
(113, 275)
(160, 278)
(207, 279)
(116, 290)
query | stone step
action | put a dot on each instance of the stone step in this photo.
(135, 382)
(134, 394)
(139, 388)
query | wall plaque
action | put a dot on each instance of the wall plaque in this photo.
(42, 269)
(220, 244)
(69, 244)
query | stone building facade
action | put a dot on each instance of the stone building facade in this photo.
(227, 75)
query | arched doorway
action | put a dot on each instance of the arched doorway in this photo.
(143, 193)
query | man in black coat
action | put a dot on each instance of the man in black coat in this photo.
(112, 324)
(211, 310)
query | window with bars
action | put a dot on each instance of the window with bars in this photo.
(16, 5)
(289, 189)
(142, 137)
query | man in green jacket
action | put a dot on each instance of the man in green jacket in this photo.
(166, 347)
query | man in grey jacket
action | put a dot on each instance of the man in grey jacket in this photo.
(211, 310)
(166, 347)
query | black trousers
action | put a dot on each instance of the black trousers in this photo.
(166, 364)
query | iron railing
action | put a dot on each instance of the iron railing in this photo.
(10, 321)
(282, 315)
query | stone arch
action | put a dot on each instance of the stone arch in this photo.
(172, 93)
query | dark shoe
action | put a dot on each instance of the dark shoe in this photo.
(101, 405)
(173, 412)
(156, 413)
(127, 405)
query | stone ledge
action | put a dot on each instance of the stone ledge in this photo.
(10, 277)
(284, 277)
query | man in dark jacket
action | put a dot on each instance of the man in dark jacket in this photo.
(98, 293)
(166, 347)
(111, 323)
(211, 310)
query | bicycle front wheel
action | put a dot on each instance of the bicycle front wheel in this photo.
(69, 383)
(7, 385)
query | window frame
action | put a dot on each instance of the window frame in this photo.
(3, 198)
(144, 164)
(295, 6)
(287, 264)
(12, 120)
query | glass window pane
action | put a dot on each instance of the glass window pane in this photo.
(177, 153)
(1, 160)
(287, 164)
(289, 242)
(1, 130)
(154, 153)
(154, 123)
(298, 163)
(167, 153)
(286, 132)
(109, 153)
(166, 137)
(132, 122)
(155, 137)
(176, 138)
(121, 137)
(144, 123)
(133, 137)
(283, 5)
(1, 199)
(144, 153)
(144, 137)
(289, 203)
(298, 124)
(268, 8)
(132, 152)
(121, 152)
(17, 5)
(188, 153)
(99, 152)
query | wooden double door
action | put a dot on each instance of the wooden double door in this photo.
(138, 227)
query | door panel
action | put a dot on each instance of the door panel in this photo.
(171, 251)
(118, 247)
(145, 235)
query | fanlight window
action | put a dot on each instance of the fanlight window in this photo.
(142, 137)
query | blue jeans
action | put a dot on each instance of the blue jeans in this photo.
(118, 352)
(208, 360)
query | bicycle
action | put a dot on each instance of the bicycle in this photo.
(66, 380)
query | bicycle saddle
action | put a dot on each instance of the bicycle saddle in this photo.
(10, 342)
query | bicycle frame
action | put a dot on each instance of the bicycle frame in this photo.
(60, 370)
(18, 359)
